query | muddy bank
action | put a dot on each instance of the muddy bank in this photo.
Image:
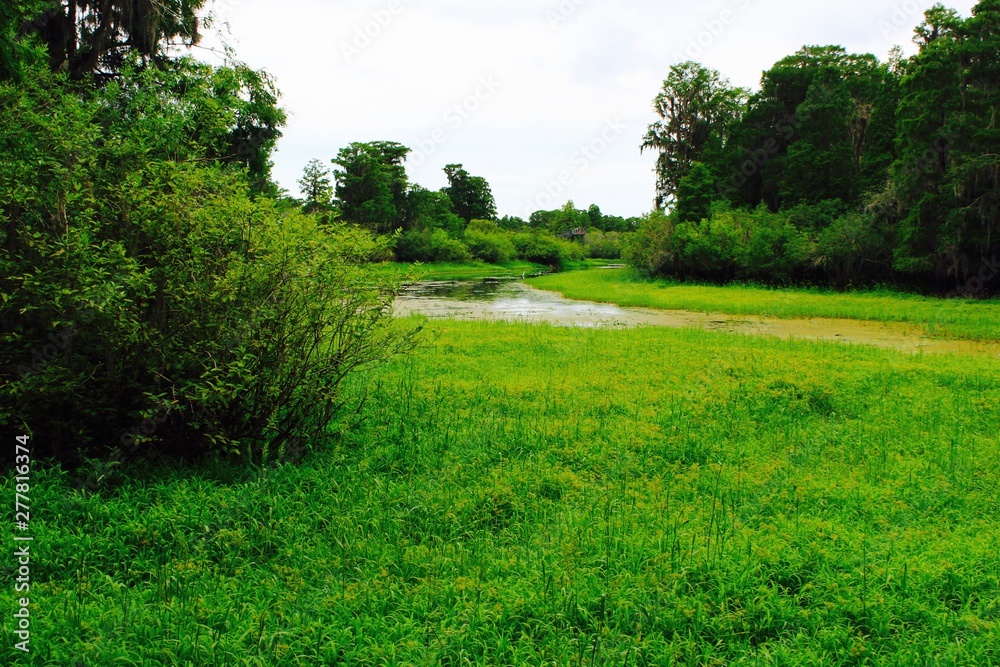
(516, 302)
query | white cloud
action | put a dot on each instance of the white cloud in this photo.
(560, 82)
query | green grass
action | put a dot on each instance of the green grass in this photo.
(590, 263)
(945, 318)
(531, 495)
(473, 270)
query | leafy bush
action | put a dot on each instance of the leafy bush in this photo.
(542, 248)
(604, 245)
(771, 248)
(148, 300)
(432, 245)
(732, 243)
(850, 247)
(650, 248)
(494, 248)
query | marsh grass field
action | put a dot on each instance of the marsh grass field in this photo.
(972, 319)
(534, 495)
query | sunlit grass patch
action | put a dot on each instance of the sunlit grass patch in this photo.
(527, 494)
(950, 318)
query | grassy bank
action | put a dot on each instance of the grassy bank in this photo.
(533, 495)
(469, 271)
(947, 318)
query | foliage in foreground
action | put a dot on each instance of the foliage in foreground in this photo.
(734, 500)
(147, 297)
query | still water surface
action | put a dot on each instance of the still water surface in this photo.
(511, 300)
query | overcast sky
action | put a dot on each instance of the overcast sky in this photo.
(547, 100)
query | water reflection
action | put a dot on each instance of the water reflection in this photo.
(511, 300)
(498, 299)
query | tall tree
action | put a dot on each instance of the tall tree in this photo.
(945, 187)
(428, 210)
(86, 37)
(695, 193)
(470, 195)
(697, 107)
(821, 126)
(316, 187)
(372, 184)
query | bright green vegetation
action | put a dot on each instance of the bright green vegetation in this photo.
(839, 167)
(457, 224)
(186, 345)
(172, 304)
(535, 495)
(958, 318)
(474, 270)
(470, 271)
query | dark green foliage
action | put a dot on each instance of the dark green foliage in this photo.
(97, 37)
(428, 210)
(945, 193)
(851, 248)
(908, 150)
(697, 107)
(604, 245)
(430, 245)
(470, 195)
(372, 185)
(511, 223)
(147, 297)
(17, 53)
(567, 220)
(822, 126)
(695, 192)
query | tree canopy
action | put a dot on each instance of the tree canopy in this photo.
(904, 151)
(470, 195)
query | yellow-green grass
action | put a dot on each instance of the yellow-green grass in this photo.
(944, 318)
(529, 495)
(456, 271)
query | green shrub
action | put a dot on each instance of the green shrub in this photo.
(650, 248)
(851, 247)
(432, 245)
(495, 248)
(149, 302)
(604, 245)
(771, 248)
(542, 248)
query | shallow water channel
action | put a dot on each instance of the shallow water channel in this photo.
(514, 301)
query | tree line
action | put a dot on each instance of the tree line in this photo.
(368, 186)
(840, 169)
